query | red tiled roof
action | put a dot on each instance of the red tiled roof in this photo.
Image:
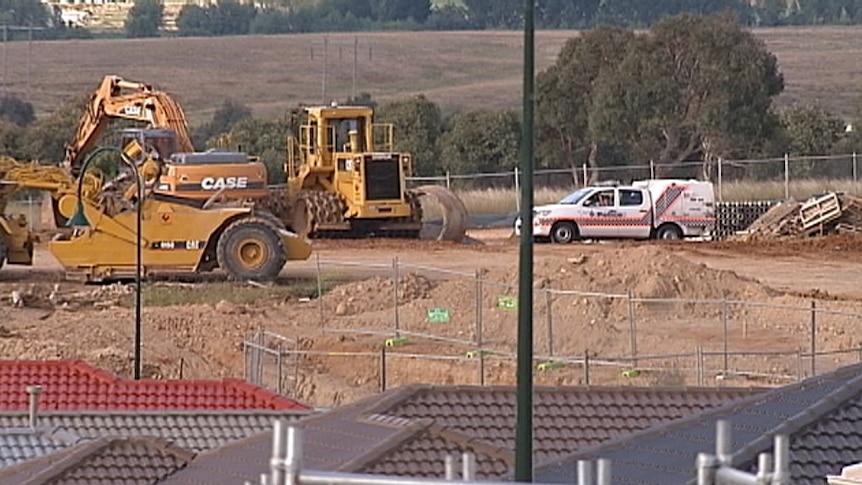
(74, 385)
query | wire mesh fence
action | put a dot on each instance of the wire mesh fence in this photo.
(439, 326)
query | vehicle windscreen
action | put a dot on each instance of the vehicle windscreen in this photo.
(575, 197)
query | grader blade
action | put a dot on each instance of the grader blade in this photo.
(454, 212)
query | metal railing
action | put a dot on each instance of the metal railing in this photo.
(286, 468)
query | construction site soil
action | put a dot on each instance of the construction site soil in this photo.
(604, 294)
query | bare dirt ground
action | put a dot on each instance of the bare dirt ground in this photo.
(197, 329)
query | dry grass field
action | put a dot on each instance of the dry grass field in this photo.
(454, 69)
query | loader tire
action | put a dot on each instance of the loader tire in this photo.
(251, 249)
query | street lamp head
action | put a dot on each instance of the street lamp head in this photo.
(79, 219)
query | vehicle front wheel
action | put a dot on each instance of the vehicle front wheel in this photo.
(669, 232)
(564, 232)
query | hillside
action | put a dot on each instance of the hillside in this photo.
(454, 69)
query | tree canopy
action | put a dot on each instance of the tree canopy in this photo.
(693, 87)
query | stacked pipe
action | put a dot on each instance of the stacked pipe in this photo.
(732, 217)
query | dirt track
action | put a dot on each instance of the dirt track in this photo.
(204, 335)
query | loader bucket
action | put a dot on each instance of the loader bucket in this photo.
(296, 247)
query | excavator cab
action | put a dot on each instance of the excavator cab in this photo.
(159, 142)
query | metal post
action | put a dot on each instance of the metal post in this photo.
(450, 466)
(651, 169)
(293, 458)
(448, 180)
(550, 317)
(279, 452)
(355, 63)
(29, 209)
(723, 443)
(585, 472)
(720, 195)
(706, 464)
(517, 191)
(325, 62)
(587, 367)
(319, 290)
(468, 463)
(764, 469)
(781, 475)
(633, 331)
(786, 176)
(724, 323)
(479, 337)
(813, 337)
(395, 295)
(855, 170)
(5, 59)
(138, 263)
(603, 475)
(382, 368)
(524, 415)
(586, 179)
(278, 371)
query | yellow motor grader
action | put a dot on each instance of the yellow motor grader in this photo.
(178, 234)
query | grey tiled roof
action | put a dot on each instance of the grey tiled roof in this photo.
(21, 444)
(104, 461)
(822, 415)
(195, 431)
(408, 431)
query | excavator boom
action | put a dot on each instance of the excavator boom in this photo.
(130, 100)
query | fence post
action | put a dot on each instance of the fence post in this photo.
(651, 169)
(800, 371)
(786, 176)
(479, 336)
(698, 364)
(633, 330)
(319, 291)
(382, 368)
(586, 176)
(724, 323)
(517, 190)
(720, 194)
(30, 212)
(395, 295)
(448, 180)
(550, 318)
(855, 170)
(813, 338)
(586, 367)
(279, 362)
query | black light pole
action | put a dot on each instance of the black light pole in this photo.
(524, 427)
(79, 219)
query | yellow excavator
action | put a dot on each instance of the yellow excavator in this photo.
(177, 234)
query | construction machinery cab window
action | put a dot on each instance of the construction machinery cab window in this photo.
(344, 135)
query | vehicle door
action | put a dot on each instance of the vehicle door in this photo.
(633, 209)
(599, 219)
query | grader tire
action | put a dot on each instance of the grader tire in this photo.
(251, 249)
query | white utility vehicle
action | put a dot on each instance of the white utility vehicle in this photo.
(658, 208)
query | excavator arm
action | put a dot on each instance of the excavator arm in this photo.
(117, 98)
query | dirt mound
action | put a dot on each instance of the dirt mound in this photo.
(644, 271)
(377, 293)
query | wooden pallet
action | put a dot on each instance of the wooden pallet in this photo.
(817, 213)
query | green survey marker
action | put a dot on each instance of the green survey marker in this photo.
(505, 302)
(396, 341)
(550, 365)
(437, 315)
